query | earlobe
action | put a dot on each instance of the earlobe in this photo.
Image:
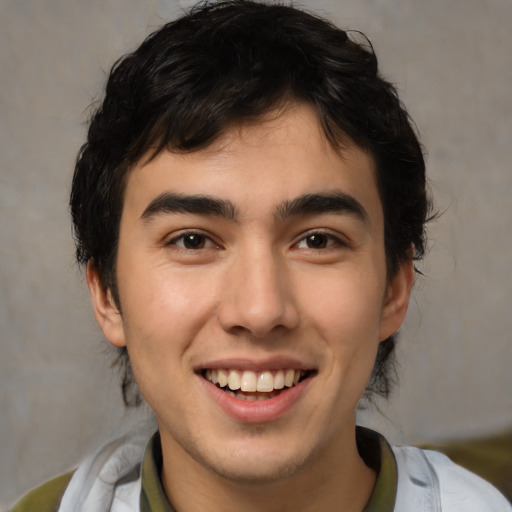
(106, 311)
(397, 300)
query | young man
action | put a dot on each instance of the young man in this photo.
(249, 204)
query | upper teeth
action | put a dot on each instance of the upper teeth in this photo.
(247, 380)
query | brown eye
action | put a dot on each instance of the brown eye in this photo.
(317, 241)
(192, 241)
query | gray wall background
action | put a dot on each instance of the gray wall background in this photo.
(452, 62)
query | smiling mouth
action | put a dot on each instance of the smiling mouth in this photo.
(254, 386)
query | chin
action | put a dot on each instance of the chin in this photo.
(257, 465)
(248, 472)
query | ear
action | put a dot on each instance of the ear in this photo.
(396, 300)
(106, 311)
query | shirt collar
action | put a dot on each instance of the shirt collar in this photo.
(370, 444)
(152, 495)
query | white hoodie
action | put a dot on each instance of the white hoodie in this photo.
(109, 481)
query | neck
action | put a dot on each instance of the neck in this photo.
(336, 479)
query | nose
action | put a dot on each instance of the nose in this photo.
(258, 296)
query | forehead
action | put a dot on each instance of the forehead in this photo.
(264, 163)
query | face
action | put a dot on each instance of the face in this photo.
(253, 289)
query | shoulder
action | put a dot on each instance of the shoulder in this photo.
(429, 476)
(460, 486)
(45, 498)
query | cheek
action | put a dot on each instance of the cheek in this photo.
(347, 303)
(163, 314)
(165, 307)
(347, 315)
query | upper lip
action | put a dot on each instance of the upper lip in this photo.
(254, 364)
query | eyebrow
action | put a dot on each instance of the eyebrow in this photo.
(322, 203)
(307, 204)
(169, 202)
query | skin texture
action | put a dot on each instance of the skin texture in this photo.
(254, 290)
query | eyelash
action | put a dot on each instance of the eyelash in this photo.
(204, 239)
(329, 239)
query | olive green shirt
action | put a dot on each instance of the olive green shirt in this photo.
(374, 449)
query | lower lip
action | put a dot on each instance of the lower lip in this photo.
(260, 411)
